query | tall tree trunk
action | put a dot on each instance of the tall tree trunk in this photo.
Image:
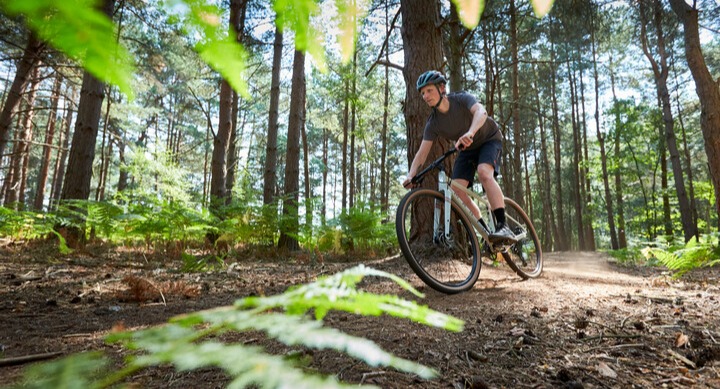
(353, 121)
(686, 153)
(21, 159)
(345, 125)
(237, 20)
(308, 183)
(123, 174)
(585, 188)
(622, 239)
(30, 59)
(548, 215)
(288, 236)
(82, 149)
(601, 140)
(47, 149)
(325, 169)
(559, 231)
(104, 154)
(63, 149)
(423, 50)
(233, 157)
(455, 42)
(707, 91)
(577, 147)
(384, 181)
(221, 140)
(661, 71)
(221, 143)
(515, 179)
(271, 145)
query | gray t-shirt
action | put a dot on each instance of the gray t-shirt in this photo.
(456, 121)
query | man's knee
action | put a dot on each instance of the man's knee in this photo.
(485, 172)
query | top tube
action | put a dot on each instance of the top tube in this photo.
(418, 177)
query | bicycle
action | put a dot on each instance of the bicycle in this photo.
(436, 232)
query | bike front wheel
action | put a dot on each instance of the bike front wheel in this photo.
(524, 256)
(437, 241)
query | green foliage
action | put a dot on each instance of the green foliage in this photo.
(192, 264)
(249, 224)
(77, 371)
(691, 256)
(82, 32)
(185, 343)
(31, 225)
(363, 225)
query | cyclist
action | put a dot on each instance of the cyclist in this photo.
(459, 117)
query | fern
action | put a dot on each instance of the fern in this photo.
(694, 254)
(185, 344)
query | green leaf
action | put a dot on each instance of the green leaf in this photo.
(542, 7)
(351, 13)
(228, 58)
(469, 11)
(82, 32)
(296, 15)
(77, 371)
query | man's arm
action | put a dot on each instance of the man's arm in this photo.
(479, 117)
(419, 159)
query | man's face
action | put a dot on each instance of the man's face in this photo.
(430, 94)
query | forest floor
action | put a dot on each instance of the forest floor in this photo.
(586, 323)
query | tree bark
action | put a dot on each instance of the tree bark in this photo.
(82, 149)
(515, 179)
(561, 240)
(271, 147)
(601, 140)
(707, 90)
(21, 157)
(661, 71)
(290, 230)
(47, 149)
(384, 176)
(63, 150)
(31, 57)
(423, 50)
(622, 239)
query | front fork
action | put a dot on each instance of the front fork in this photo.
(443, 208)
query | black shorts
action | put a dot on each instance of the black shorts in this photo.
(467, 161)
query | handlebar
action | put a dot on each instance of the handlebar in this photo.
(434, 165)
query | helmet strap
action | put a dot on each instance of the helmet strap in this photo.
(442, 95)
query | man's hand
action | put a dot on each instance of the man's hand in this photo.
(464, 141)
(408, 184)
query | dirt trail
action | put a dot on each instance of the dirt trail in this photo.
(585, 323)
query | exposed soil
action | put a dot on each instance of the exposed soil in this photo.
(586, 323)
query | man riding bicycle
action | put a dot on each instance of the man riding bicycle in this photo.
(459, 117)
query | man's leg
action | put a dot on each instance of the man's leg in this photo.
(497, 202)
(465, 198)
(492, 188)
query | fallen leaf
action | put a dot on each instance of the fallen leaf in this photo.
(681, 340)
(605, 370)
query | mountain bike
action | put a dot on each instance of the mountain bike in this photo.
(436, 232)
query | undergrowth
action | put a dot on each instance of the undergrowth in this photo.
(294, 318)
(677, 257)
(176, 227)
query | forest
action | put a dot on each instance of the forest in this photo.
(270, 139)
(298, 142)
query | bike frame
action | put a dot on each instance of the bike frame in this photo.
(448, 187)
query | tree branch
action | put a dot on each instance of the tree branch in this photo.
(384, 45)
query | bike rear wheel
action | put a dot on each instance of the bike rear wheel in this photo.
(524, 256)
(444, 255)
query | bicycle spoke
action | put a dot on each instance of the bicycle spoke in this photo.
(441, 248)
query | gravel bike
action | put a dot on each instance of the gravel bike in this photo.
(436, 232)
